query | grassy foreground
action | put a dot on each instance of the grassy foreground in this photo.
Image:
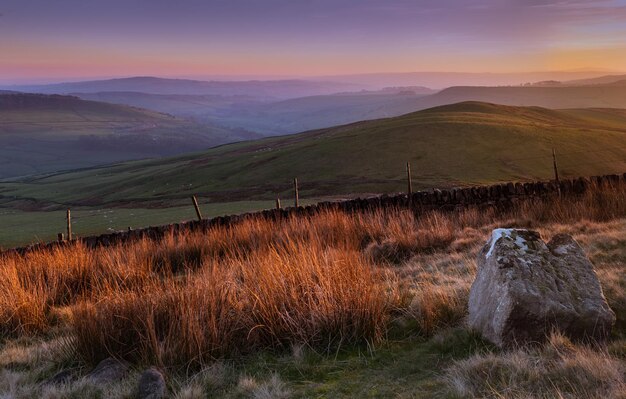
(335, 305)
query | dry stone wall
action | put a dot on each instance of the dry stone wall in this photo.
(502, 196)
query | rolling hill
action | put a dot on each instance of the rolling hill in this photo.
(279, 107)
(45, 133)
(607, 79)
(466, 143)
(279, 89)
(315, 112)
(609, 95)
(270, 117)
(200, 107)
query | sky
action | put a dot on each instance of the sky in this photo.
(52, 40)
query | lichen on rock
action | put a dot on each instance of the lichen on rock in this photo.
(525, 288)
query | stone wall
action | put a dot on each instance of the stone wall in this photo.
(502, 196)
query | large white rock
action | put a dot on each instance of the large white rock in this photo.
(525, 288)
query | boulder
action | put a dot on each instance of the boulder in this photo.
(107, 371)
(525, 288)
(151, 384)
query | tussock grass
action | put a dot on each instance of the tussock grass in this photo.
(299, 294)
(320, 282)
(559, 369)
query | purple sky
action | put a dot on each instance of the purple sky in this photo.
(67, 39)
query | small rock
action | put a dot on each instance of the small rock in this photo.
(525, 288)
(62, 377)
(151, 384)
(108, 370)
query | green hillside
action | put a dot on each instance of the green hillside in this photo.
(45, 133)
(460, 144)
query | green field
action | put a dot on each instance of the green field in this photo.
(455, 145)
(19, 227)
(25, 227)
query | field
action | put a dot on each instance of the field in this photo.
(20, 227)
(332, 305)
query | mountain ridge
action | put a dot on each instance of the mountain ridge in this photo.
(155, 85)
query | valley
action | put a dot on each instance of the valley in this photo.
(47, 133)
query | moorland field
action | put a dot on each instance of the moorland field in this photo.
(331, 305)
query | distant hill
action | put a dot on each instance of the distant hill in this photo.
(45, 133)
(608, 80)
(289, 106)
(275, 117)
(441, 80)
(209, 107)
(602, 80)
(314, 112)
(598, 96)
(459, 144)
(278, 89)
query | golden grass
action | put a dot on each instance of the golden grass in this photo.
(559, 369)
(321, 281)
(300, 294)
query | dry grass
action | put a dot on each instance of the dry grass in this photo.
(559, 369)
(319, 282)
(320, 297)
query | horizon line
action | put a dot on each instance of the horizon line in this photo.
(279, 77)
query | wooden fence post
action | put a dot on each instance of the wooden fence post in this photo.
(296, 199)
(556, 172)
(277, 202)
(195, 205)
(60, 237)
(69, 225)
(408, 179)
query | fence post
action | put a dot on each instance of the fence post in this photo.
(195, 205)
(69, 225)
(556, 172)
(296, 200)
(408, 179)
(60, 237)
(278, 203)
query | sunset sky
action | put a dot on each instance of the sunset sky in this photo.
(72, 39)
